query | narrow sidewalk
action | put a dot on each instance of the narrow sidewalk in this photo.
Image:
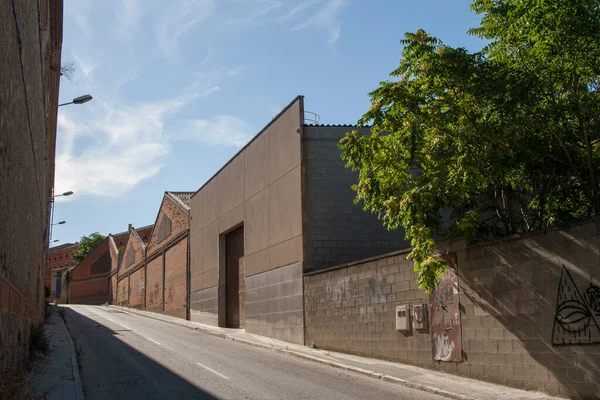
(57, 375)
(451, 386)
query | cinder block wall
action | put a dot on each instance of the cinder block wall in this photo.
(513, 294)
(31, 44)
(336, 230)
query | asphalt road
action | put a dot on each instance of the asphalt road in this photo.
(127, 356)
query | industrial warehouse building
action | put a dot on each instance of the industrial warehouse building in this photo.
(155, 276)
(282, 206)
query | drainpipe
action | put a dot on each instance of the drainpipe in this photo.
(163, 280)
(188, 282)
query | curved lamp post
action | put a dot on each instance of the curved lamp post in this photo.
(78, 100)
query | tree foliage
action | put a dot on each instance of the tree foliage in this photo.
(86, 245)
(496, 142)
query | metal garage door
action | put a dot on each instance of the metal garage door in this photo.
(234, 270)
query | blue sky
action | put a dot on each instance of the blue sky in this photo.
(180, 86)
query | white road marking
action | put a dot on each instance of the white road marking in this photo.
(212, 370)
(154, 341)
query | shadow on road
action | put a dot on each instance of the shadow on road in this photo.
(111, 369)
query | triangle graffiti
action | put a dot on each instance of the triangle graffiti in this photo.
(574, 320)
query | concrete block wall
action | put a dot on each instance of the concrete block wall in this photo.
(336, 230)
(516, 296)
(274, 304)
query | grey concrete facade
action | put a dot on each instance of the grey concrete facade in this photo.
(259, 189)
(274, 305)
(290, 191)
(204, 306)
(336, 230)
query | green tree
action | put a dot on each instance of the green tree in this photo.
(497, 142)
(86, 245)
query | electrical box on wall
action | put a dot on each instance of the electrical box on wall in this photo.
(420, 317)
(402, 318)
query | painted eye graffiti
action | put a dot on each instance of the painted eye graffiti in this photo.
(593, 298)
(573, 316)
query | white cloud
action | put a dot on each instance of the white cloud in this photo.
(128, 14)
(326, 18)
(119, 145)
(178, 19)
(297, 10)
(222, 130)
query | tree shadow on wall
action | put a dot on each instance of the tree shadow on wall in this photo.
(112, 369)
(543, 289)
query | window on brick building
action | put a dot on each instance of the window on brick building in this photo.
(164, 229)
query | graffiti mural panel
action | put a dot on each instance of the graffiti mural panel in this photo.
(446, 330)
(577, 315)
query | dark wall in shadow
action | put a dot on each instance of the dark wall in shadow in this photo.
(111, 369)
(532, 306)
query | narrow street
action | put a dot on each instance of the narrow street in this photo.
(125, 356)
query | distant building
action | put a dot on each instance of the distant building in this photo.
(60, 258)
(154, 275)
(280, 207)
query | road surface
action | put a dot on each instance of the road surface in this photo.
(127, 356)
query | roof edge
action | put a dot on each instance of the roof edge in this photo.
(275, 118)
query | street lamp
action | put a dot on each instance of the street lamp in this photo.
(65, 194)
(54, 241)
(78, 100)
(60, 223)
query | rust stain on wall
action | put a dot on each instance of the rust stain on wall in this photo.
(446, 330)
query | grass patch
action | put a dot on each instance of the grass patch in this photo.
(39, 345)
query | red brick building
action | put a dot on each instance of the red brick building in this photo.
(32, 37)
(89, 282)
(130, 275)
(60, 258)
(154, 277)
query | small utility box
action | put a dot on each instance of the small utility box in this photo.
(403, 318)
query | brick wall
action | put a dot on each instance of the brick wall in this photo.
(123, 292)
(31, 44)
(175, 279)
(136, 289)
(112, 294)
(90, 278)
(154, 284)
(336, 230)
(59, 259)
(179, 223)
(90, 291)
(511, 292)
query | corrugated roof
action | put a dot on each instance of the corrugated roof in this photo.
(337, 125)
(61, 247)
(184, 197)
